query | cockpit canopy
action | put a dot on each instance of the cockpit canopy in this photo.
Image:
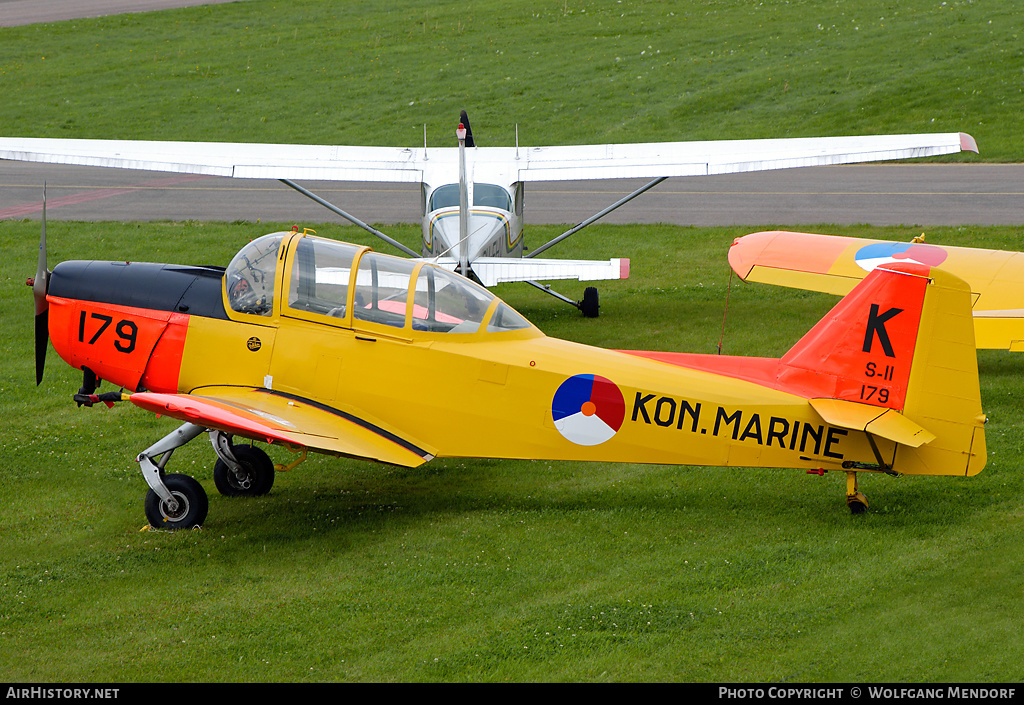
(250, 277)
(381, 289)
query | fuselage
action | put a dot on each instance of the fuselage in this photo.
(423, 354)
(495, 220)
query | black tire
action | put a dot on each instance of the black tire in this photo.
(192, 505)
(590, 305)
(259, 469)
(857, 507)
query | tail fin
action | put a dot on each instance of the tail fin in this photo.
(896, 358)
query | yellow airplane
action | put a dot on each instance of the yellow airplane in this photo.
(835, 264)
(330, 347)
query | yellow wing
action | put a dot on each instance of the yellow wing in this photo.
(277, 417)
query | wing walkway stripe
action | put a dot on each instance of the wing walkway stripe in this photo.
(354, 419)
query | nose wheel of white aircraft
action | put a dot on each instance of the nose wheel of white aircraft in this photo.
(252, 476)
(185, 509)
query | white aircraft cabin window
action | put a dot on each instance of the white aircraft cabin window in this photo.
(448, 303)
(487, 195)
(491, 196)
(250, 276)
(382, 289)
(446, 196)
(320, 276)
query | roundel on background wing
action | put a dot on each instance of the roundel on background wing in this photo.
(870, 256)
(588, 409)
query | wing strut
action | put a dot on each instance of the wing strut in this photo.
(576, 228)
(548, 290)
(351, 218)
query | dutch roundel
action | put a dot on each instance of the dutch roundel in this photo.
(588, 409)
(870, 256)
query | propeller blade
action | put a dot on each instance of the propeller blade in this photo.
(42, 338)
(40, 285)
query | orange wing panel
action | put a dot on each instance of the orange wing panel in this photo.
(780, 249)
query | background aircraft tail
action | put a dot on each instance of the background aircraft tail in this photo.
(896, 358)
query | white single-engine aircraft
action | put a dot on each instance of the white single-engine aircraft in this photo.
(473, 196)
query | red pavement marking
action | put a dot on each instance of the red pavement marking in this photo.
(72, 199)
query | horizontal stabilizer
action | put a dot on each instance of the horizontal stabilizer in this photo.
(875, 420)
(496, 270)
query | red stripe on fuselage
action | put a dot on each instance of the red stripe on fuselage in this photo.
(164, 365)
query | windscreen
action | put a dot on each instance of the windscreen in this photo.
(250, 276)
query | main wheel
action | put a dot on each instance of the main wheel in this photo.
(257, 467)
(589, 306)
(192, 504)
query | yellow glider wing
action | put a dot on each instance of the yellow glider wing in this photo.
(835, 264)
(277, 417)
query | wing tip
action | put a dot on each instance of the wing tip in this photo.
(968, 143)
(744, 252)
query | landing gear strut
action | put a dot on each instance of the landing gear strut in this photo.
(589, 306)
(179, 501)
(855, 500)
(173, 501)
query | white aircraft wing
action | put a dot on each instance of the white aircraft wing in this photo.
(652, 160)
(395, 164)
(495, 270)
(232, 159)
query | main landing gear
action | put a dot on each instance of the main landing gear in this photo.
(180, 502)
(589, 305)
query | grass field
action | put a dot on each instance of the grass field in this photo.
(493, 571)
(508, 571)
(565, 72)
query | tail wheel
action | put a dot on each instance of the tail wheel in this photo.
(855, 499)
(191, 501)
(257, 473)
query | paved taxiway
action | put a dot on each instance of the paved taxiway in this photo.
(890, 194)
